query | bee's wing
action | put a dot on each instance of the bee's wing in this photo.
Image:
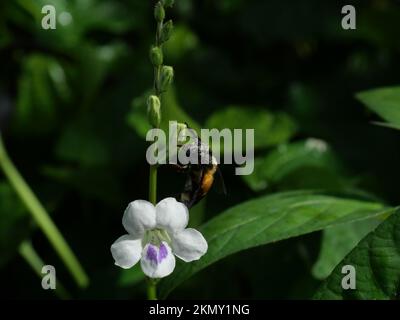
(219, 182)
(178, 168)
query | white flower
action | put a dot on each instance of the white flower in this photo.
(155, 235)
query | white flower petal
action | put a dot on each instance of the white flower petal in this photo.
(189, 245)
(139, 216)
(172, 215)
(157, 262)
(126, 251)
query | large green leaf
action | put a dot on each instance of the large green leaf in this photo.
(385, 102)
(377, 263)
(338, 241)
(269, 219)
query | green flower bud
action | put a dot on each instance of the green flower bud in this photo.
(154, 111)
(168, 3)
(167, 74)
(159, 12)
(156, 56)
(181, 133)
(166, 31)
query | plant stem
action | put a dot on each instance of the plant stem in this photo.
(27, 251)
(151, 284)
(42, 218)
(151, 289)
(153, 184)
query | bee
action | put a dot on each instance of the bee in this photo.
(201, 175)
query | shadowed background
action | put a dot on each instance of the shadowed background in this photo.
(72, 116)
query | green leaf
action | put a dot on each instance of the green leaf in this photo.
(15, 223)
(385, 102)
(81, 143)
(269, 219)
(288, 159)
(182, 41)
(269, 128)
(35, 110)
(376, 260)
(338, 241)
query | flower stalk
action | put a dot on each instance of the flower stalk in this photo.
(153, 184)
(151, 289)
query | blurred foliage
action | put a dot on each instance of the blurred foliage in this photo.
(72, 110)
(294, 162)
(269, 129)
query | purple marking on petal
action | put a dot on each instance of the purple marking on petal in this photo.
(163, 253)
(152, 254)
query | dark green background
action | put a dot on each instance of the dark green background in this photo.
(66, 99)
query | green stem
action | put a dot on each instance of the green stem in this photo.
(27, 251)
(153, 184)
(151, 289)
(151, 284)
(42, 218)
